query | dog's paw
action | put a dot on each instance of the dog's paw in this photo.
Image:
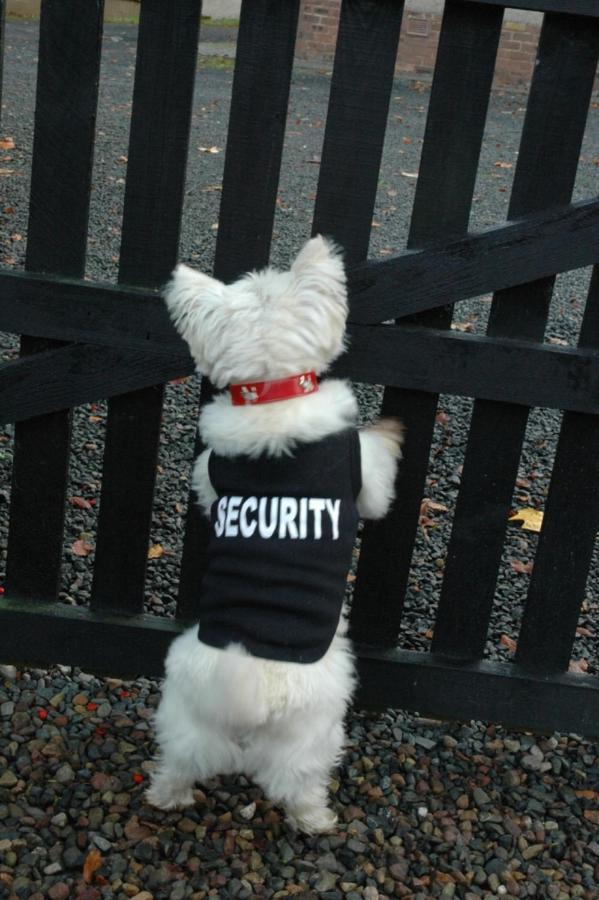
(391, 431)
(314, 820)
(166, 797)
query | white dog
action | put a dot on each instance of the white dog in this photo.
(263, 686)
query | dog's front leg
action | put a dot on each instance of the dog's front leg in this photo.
(380, 448)
(201, 484)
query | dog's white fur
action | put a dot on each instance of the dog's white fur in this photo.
(224, 711)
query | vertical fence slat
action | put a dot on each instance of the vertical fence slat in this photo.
(545, 173)
(264, 60)
(361, 88)
(161, 117)
(2, 34)
(570, 526)
(456, 120)
(66, 101)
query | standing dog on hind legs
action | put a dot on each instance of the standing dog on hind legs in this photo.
(263, 686)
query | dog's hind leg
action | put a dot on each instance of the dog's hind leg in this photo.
(197, 755)
(292, 762)
(170, 789)
(192, 749)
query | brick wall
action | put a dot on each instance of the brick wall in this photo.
(317, 29)
(319, 20)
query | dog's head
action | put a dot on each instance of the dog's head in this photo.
(267, 325)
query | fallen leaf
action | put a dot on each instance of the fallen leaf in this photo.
(155, 551)
(209, 149)
(462, 326)
(532, 519)
(6, 172)
(93, 862)
(95, 419)
(179, 380)
(82, 548)
(7, 143)
(437, 507)
(504, 165)
(80, 502)
(521, 567)
(592, 815)
(559, 341)
(441, 418)
(211, 188)
(522, 483)
(424, 520)
(587, 794)
(406, 140)
(506, 641)
(409, 174)
(351, 577)
(122, 159)
(578, 665)
(584, 632)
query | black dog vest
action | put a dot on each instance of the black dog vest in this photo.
(283, 531)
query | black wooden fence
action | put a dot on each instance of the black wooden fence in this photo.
(119, 342)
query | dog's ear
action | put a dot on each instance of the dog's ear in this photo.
(319, 299)
(319, 275)
(319, 254)
(188, 295)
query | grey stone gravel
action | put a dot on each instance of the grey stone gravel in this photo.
(432, 810)
(426, 809)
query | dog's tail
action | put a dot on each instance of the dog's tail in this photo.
(241, 686)
(225, 687)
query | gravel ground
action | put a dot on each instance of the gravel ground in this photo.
(427, 809)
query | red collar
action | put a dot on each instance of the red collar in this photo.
(253, 392)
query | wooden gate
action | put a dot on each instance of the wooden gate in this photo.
(85, 340)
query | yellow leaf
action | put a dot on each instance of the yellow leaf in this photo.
(155, 551)
(532, 519)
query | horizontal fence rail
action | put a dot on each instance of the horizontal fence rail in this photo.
(558, 240)
(84, 341)
(518, 371)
